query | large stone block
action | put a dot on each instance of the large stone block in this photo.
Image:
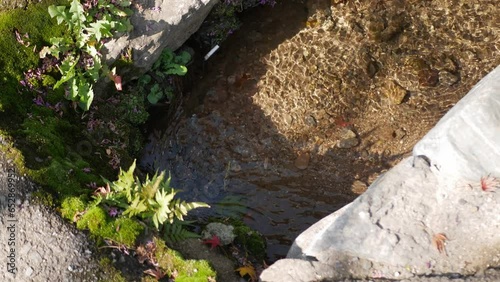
(158, 25)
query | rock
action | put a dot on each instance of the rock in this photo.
(223, 231)
(348, 139)
(158, 25)
(425, 216)
(358, 187)
(302, 160)
(446, 78)
(399, 134)
(394, 92)
(310, 121)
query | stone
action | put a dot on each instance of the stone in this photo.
(427, 215)
(348, 139)
(223, 231)
(302, 160)
(358, 187)
(394, 92)
(157, 25)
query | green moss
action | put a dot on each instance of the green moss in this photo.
(188, 270)
(250, 240)
(44, 198)
(122, 230)
(94, 219)
(16, 58)
(70, 206)
(112, 274)
(46, 134)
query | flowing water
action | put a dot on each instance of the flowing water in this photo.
(213, 154)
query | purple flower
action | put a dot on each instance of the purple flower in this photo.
(87, 169)
(113, 212)
(39, 101)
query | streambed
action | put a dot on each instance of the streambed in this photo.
(302, 108)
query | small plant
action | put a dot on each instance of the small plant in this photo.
(78, 55)
(152, 199)
(167, 65)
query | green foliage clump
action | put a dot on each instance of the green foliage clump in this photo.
(70, 206)
(94, 220)
(43, 198)
(121, 230)
(81, 64)
(133, 108)
(111, 273)
(152, 199)
(46, 134)
(188, 270)
(168, 64)
(252, 241)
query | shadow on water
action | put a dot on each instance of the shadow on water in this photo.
(223, 149)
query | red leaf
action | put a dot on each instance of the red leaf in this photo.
(214, 242)
(118, 82)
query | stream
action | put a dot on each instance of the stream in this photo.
(224, 150)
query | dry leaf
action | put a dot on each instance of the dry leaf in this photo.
(156, 273)
(248, 270)
(438, 240)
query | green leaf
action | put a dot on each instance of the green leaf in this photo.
(144, 80)
(67, 70)
(77, 16)
(183, 58)
(155, 94)
(177, 70)
(136, 207)
(100, 29)
(60, 13)
(123, 26)
(163, 199)
(117, 12)
(124, 3)
(86, 94)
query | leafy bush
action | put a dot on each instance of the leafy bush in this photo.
(168, 64)
(79, 56)
(153, 199)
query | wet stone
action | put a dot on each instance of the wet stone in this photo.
(302, 160)
(394, 92)
(399, 134)
(358, 187)
(446, 78)
(348, 139)
(310, 121)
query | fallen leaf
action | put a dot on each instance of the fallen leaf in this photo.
(247, 270)
(156, 273)
(214, 242)
(438, 240)
(118, 82)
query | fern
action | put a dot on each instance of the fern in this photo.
(153, 199)
(176, 231)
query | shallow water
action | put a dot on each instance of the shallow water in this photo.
(225, 151)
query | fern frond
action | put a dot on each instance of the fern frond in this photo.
(175, 232)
